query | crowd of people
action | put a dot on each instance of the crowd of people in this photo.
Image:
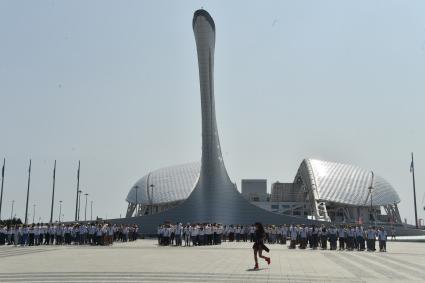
(343, 237)
(67, 234)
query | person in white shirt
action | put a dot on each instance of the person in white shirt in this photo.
(159, 232)
(25, 232)
(201, 234)
(382, 237)
(36, 234)
(31, 235)
(315, 236)
(231, 233)
(283, 233)
(194, 235)
(333, 235)
(110, 234)
(324, 237)
(294, 234)
(350, 238)
(303, 237)
(52, 232)
(186, 232)
(178, 233)
(341, 237)
(371, 238)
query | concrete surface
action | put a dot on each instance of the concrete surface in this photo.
(144, 261)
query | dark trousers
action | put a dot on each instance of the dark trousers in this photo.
(324, 242)
(315, 239)
(47, 239)
(341, 243)
(303, 243)
(382, 245)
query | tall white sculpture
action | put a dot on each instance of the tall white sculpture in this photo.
(214, 198)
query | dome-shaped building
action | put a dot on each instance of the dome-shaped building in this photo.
(322, 190)
(162, 189)
(344, 193)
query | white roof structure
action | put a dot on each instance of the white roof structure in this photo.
(346, 184)
(332, 181)
(169, 184)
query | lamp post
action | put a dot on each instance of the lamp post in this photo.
(372, 218)
(60, 210)
(137, 204)
(151, 197)
(28, 194)
(412, 170)
(78, 191)
(33, 213)
(2, 183)
(53, 193)
(79, 204)
(11, 213)
(85, 208)
(91, 210)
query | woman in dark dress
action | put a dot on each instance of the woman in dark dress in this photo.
(259, 246)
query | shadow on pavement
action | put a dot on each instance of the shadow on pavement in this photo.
(253, 269)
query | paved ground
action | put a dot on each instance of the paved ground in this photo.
(231, 262)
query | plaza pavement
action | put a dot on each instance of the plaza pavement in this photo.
(144, 261)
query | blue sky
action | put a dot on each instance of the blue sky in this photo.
(115, 85)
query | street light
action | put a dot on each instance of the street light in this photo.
(60, 210)
(85, 209)
(79, 204)
(372, 218)
(33, 214)
(11, 213)
(151, 197)
(137, 189)
(91, 210)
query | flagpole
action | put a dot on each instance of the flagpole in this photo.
(2, 183)
(28, 194)
(78, 190)
(53, 193)
(412, 169)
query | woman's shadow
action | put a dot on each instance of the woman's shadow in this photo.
(256, 269)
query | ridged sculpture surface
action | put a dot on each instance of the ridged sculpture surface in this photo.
(214, 198)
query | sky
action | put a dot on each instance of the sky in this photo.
(115, 85)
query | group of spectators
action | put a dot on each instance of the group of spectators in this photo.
(343, 237)
(67, 234)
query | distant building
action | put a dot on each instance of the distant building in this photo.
(322, 190)
(286, 199)
(283, 192)
(255, 190)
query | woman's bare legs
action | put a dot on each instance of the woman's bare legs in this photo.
(260, 253)
(255, 257)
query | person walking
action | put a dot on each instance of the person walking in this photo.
(259, 246)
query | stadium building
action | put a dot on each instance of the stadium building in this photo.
(321, 190)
